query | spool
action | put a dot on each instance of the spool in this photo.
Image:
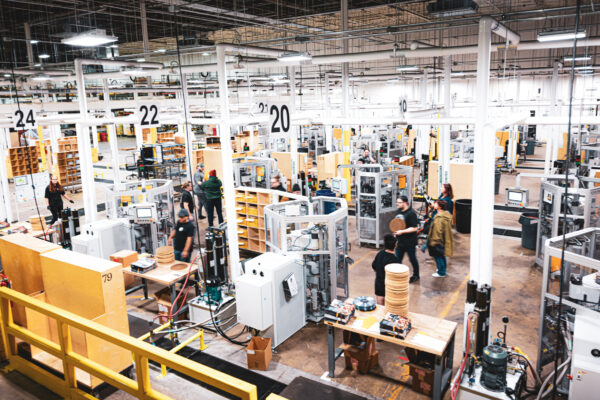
(396, 289)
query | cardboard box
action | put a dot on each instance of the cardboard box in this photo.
(259, 353)
(422, 379)
(163, 300)
(125, 258)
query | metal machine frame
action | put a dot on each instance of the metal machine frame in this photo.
(582, 215)
(317, 230)
(582, 255)
(154, 193)
(246, 171)
(371, 188)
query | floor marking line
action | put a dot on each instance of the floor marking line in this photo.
(454, 297)
(362, 258)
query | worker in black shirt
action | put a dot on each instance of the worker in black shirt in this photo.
(407, 237)
(54, 194)
(187, 199)
(182, 237)
(366, 157)
(276, 183)
(383, 258)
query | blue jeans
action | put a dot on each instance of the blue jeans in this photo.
(179, 257)
(441, 265)
(412, 256)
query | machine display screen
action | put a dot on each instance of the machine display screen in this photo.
(515, 196)
(143, 212)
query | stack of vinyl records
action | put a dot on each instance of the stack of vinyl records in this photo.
(165, 255)
(396, 289)
(365, 303)
(394, 325)
(339, 312)
(37, 223)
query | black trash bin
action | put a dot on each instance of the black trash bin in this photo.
(529, 227)
(497, 181)
(530, 148)
(462, 209)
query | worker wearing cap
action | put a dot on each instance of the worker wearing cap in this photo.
(182, 237)
(199, 190)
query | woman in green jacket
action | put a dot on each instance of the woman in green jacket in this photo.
(440, 242)
(213, 189)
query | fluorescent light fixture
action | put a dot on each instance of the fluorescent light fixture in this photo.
(160, 51)
(7, 75)
(584, 67)
(134, 71)
(140, 60)
(43, 56)
(457, 74)
(294, 57)
(40, 77)
(37, 65)
(93, 38)
(393, 80)
(551, 36)
(404, 68)
(577, 58)
(278, 76)
(205, 53)
(114, 46)
(33, 41)
(443, 9)
(281, 81)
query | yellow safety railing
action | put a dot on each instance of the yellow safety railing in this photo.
(142, 352)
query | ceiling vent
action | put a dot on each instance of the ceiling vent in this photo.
(451, 8)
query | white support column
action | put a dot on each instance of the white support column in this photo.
(345, 66)
(444, 139)
(139, 137)
(85, 151)
(112, 136)
(5, 206)
(294, 128)
(423, 89)
(94, 136)
(226, 156)
(30, 59)
(482, 217)
(187, 129)
(54, 136)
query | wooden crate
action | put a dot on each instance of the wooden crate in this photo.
(20, 257)
(92, 288)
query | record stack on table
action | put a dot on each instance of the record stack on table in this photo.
(37, 223)
(396, 289)
(165, 255)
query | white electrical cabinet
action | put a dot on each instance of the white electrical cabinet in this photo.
(585, 367)
(271, 296)
(102, 238)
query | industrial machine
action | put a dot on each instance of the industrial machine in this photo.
(102, 238)
(271, 297)
(517, 197)
(147, 207)
(254, 172)
(376, 194)
(578, 317)
(315, 230)
(582, 207)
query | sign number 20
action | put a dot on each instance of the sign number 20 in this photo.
(282, 118)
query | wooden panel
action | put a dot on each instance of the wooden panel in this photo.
(433, 179)
(562, 149)
(85, 285)
(284, 162)
(327, 165)
(20, 256)
(461, 179)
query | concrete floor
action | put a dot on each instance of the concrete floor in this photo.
(516, 294)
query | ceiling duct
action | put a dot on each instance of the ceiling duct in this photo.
(451, 8)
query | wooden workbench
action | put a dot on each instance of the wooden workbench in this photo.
(428, 334)
(164, 275)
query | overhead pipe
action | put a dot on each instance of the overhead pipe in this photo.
(35, 72)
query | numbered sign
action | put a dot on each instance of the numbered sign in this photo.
(262, 107)
(279, 118)
(403, 105)
(24, 118)
(149, 115)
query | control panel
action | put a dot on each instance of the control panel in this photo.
(143, 213)
(517, 197)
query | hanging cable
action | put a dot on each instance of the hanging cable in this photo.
(558, 345)
(14, 81)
